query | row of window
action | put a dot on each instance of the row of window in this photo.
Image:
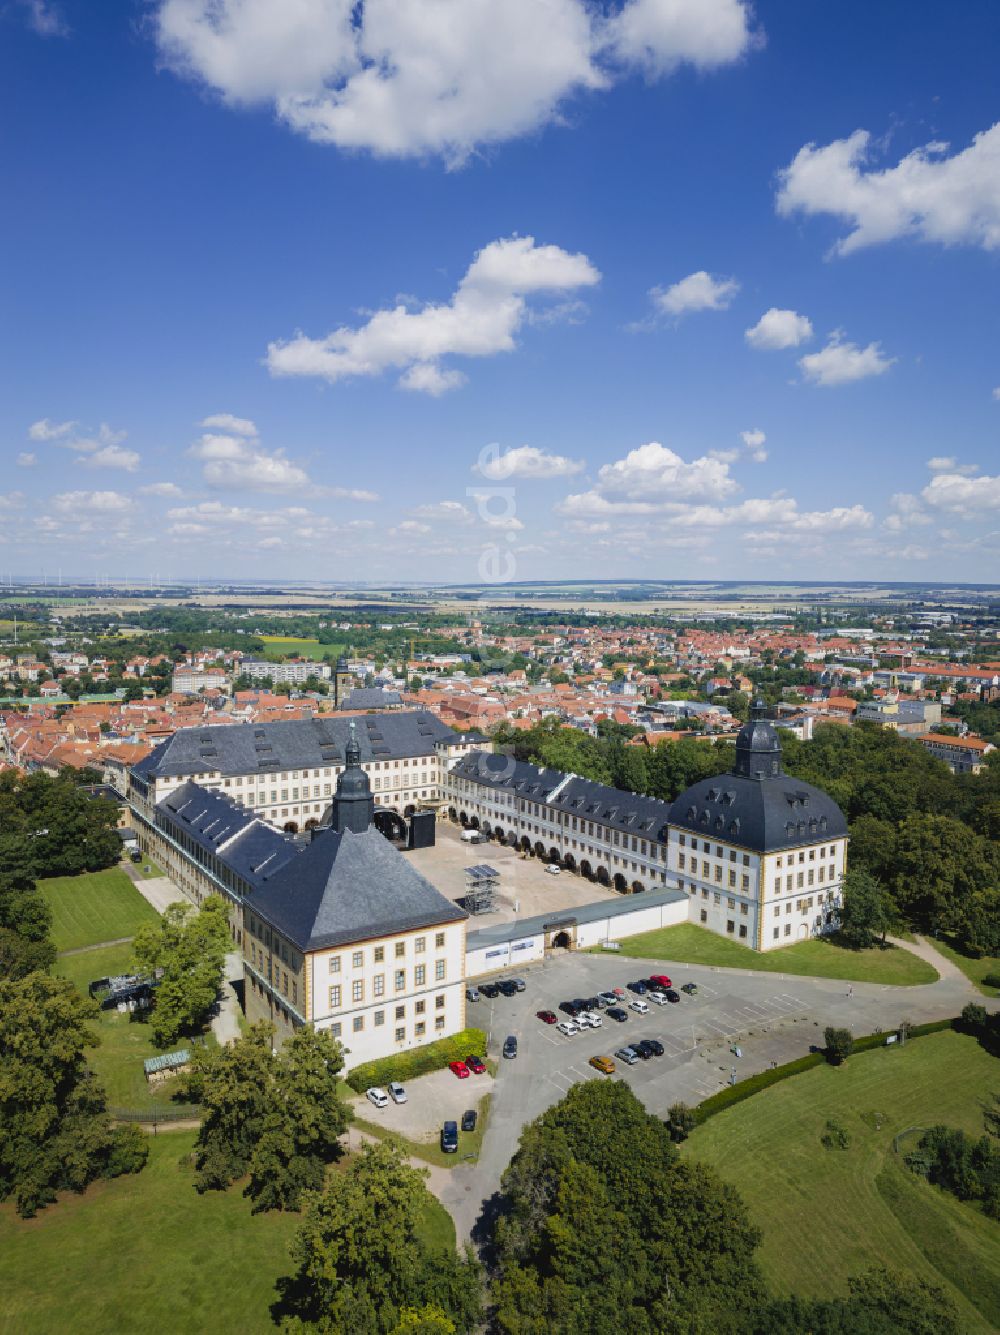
(358, 1025)
(334, 963)
(730, 925)
(378, 984)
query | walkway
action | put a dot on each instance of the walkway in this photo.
(923, 948)
(97, 945)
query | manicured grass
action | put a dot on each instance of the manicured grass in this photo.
(147, 1253)
(143, 1253)
(690, 944)
(93, 907)
(126, 1041)
(140, 869)
(974, 970)
(828, 1214)
(282, 646)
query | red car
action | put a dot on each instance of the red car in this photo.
(547, 1017)
(476, 1065)
(460, 1069)
(660, 980)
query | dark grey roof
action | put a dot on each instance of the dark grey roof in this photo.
(242, 748)
(370, 697)
(632, 813)
(349, 887)
(763, 814)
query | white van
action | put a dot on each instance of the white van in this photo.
(639, 1007)
(471, 836)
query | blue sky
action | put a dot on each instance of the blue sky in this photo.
(282, 292)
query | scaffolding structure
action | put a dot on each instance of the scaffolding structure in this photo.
(482, 884)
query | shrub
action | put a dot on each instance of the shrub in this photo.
(839, 1045)
(681, 1121)
(992, 979)
(835, 1136)
(408, 1065)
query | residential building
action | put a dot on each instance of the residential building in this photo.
(295, 672)
(962, 755)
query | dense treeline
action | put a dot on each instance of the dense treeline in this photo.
(929, 837)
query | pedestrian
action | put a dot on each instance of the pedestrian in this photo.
(850, 990)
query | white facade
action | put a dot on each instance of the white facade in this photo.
(258, 669)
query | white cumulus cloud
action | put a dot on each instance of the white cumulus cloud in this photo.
(961, 494)
(46, 430)
(239, 463)
(161, 489)
(754, 441)
(697, 292)
(236, 426)
(655, 470)
(930, 194)
(779, 329)
(842, 362)
(481, 319)
(111, 456)
(525, 461)
(412, 77)
(26, 459)
(82, 503)
(444, 512)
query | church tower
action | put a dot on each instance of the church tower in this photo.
(353, 806)
(343, 682)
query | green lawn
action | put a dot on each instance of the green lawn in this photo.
(93, 907)
(974, 970)
(827, 1214)
(148, 1254)
(689, 944)
(280, 646)
(125, 1041)
(139, 869)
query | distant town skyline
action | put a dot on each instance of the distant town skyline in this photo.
(478, 293)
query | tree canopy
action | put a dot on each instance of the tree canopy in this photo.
(190, 946)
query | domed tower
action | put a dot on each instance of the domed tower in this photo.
(353, 806)
(758, 751)
(343, 682)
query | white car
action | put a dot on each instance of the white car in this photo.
(553, 869)
(396, 1092)
(593, 1019)
(657, 998)
(568, 1027)
(608, 998)
(639, 1007)
(377, 1096)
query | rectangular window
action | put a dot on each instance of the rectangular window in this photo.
(743, 929)
(420, 975)
(798, 881)
(776, 933)
(716, 898)
(400, 1035)
(732, 879)
(357, 959)
(788, 929)
(335, 964)
(399, 979)
(439, 1003)
(336, 1029)
(704, 915)
(400, 949)
(358, 1023)
(744, 909)
(420, 1007)
(777, 885)
(420, 1029)
(358, 990)
(379, 1018)
(439, 940)
(378, 985)
(439, 969)
(730, 926)
(439, 1022)
(379, 954)
(746, 881)
(420, 944)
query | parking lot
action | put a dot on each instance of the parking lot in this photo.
(771, 1018)
(430, 1101)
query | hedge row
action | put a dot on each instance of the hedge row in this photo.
(417, 1061)
(733, 1094)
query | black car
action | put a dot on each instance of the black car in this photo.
(654, 1045)
(510, 1046)
(570, 1008)
(643, 1049)
(638, 987)
(581, 1003)
(469, 1120)
(593, 1003)
(489, 990)
(508, 988)
(671, 995)
(616, 1013)
(449, 1137)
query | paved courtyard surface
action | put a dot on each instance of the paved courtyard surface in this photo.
(770, 1017)
(431, 1100)
(523, 880)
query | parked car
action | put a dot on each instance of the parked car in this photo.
(581, 1003)
(470, 837)
(469, 1118)
(472, 994)
(135, 854)
(449, 1137)
(519, 984)
(655, 1046)
(607, 998)
(657, 998)
(596, 1020)
(396, 1092)
(553, 869)
(638, 987)
(627, 1056)
(642, 1049)
(568, 1027)
(570, 1008)
(476, 1065)
(616, 1013)
(460, 1069)
(671, 995)
(508, 987)
(660, 980)
(377, 1096)
(604, 1064)
(510, 1046)
(689, 988)
(547, 1017)
(639, 1007)
(489, 990)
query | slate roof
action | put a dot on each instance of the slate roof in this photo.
(222, 827)
(631, 813)
(370, 697)
(765, 814)
(247, 748)
(349, 887)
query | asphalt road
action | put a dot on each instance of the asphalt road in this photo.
(770, 1017)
